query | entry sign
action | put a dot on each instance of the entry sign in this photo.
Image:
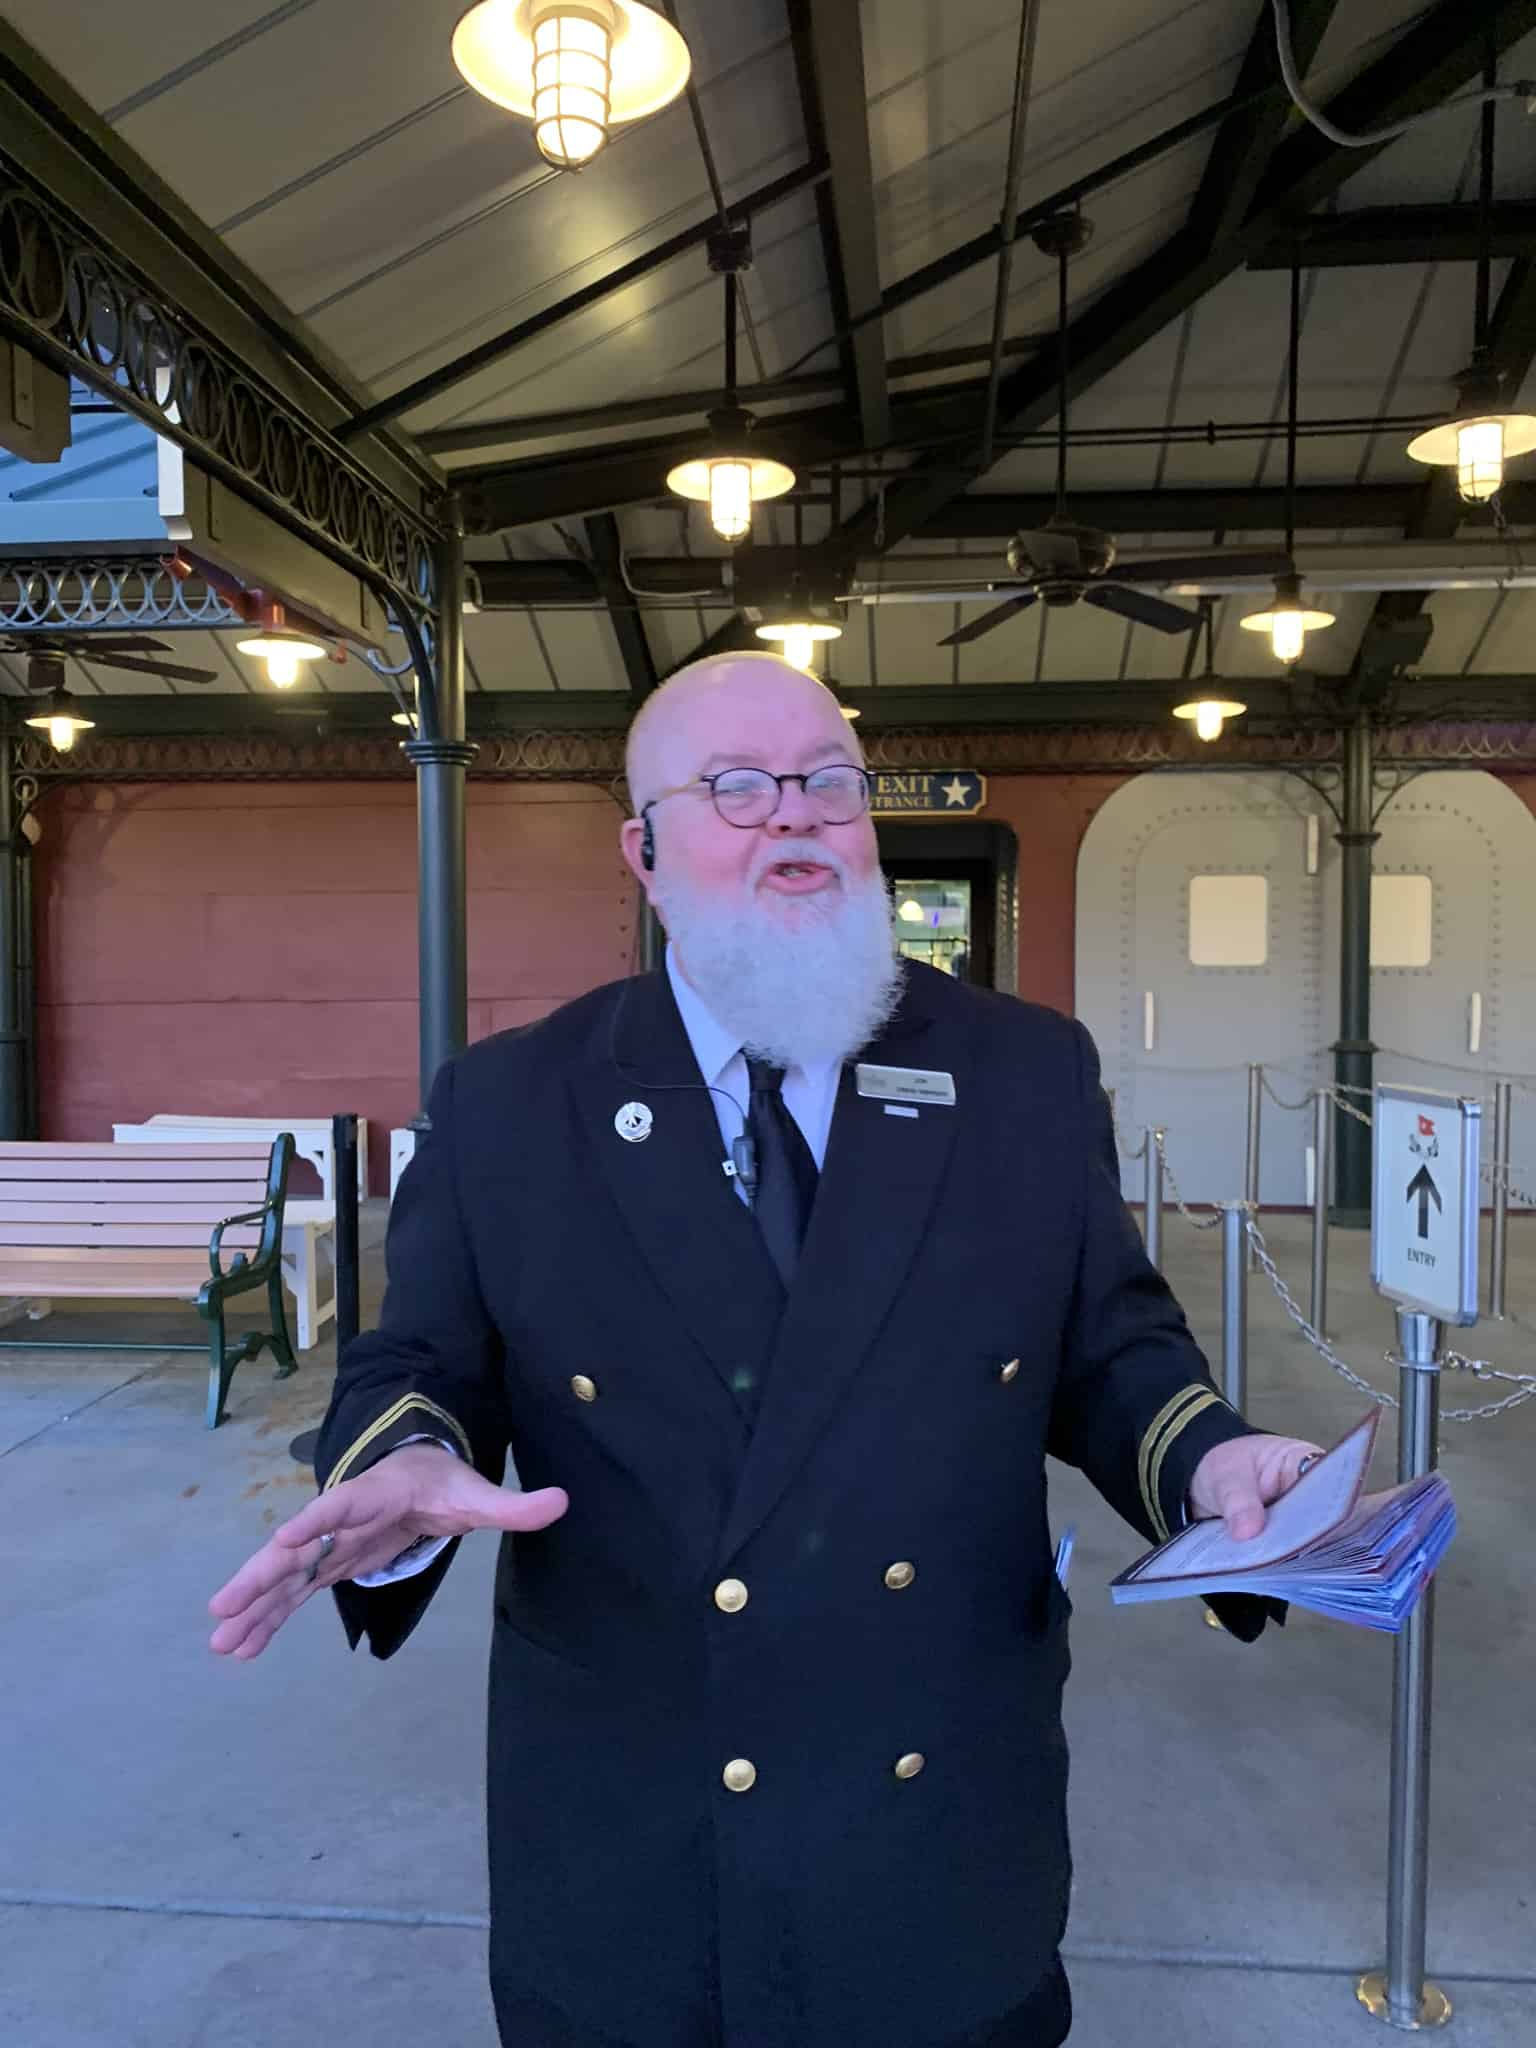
(1425, 1201)
(927, 793)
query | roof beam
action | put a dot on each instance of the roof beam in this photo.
(991, 515)
(828, 44)
(602, 531)
(1246, 141)
(1441, 53)
(1398, 234)
(444, 378)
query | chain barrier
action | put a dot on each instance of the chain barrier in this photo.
(1196, 1222)
(1515, 1194)
(1279, 1100)
(1455, 1361)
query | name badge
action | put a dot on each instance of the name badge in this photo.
(906, 1084)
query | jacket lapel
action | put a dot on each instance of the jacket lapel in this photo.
(878, 1189)
(692, 1229)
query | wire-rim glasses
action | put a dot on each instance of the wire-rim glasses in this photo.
(745, 797)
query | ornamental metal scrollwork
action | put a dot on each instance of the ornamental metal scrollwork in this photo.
(87, 309)
(103, 595)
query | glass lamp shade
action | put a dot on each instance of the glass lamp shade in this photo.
(730, 485)
(1287, 622)
(1477, 446)
(61, 721)
(798, 637)
(283, 653)
(575, 68)
(1209, 714)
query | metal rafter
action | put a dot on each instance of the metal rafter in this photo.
(1245, 143)
(1440, 54)
(828, 45)
(607, 550)
(1376, 235)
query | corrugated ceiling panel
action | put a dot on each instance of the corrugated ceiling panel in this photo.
(106, 54)
(504, 648)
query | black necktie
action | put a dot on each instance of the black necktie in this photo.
(786, 1171)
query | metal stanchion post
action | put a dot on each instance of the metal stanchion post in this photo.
(344, 1257)
(1234, 1304)
(1322, 1133)
(1251, 1154)
(1399, 1994)
(1153, 1197)
(1498, 1249)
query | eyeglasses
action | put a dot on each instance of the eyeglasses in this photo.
(750, 796)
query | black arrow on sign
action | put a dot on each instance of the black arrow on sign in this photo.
(1422, 1186)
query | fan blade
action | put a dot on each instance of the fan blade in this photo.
(130, 643)
(1051, 550)
(1143, 610)
(172, 669)
(998, 616)
(1191, 568)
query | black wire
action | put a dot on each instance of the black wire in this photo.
(1485, 194)
(1291, 409)
(1061, 374)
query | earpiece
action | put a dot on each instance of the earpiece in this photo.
(648, 848)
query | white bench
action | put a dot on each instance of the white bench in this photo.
(312, 1138)
(309, 1233)
(402, 1150)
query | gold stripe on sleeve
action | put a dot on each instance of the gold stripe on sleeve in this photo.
(385, 1421)
(1166, 1426)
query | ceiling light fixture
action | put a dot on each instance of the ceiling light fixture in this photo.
(1208, 711)
(1289, 619)
(799, 627)
(1481, 435)
(283, 650)
(62, 720)
(730, 479)
(576, 68)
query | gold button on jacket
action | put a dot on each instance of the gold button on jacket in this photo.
(583, 1388)
(909, 1765)
(740, 1774)
(731, 1596)
(1009, 1371)
(900, 1575)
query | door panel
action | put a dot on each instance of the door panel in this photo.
(1199, 928)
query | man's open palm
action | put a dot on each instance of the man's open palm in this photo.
(421, 1490)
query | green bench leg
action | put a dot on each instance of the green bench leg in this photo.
(224, 1357)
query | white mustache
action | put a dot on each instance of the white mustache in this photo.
(811, 851)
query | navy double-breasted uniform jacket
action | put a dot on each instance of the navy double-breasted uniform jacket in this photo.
(775, 1749)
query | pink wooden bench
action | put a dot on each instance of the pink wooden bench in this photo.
(193, 1223)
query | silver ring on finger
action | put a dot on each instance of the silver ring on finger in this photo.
(1306, 1464)
(327, 1545)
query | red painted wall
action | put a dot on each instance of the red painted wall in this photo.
(250, 949)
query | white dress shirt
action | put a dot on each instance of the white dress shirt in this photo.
(810, 1096)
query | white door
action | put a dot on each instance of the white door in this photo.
(1200, 948)
(1453, 945)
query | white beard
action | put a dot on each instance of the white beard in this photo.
(799, 980)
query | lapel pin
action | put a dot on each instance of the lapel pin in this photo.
(633, 1123)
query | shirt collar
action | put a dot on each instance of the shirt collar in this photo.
(713, 1046)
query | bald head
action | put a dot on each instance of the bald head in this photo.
(751, 709)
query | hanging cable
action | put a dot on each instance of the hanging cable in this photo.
(1523, 89)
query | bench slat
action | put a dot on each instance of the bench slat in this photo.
(152, 1154)
(101, 1282)
(147, 1258)
(152, 1173)
(85, 1210)
(49, 1198)
(245, 1237)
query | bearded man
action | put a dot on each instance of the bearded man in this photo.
(778, 1272)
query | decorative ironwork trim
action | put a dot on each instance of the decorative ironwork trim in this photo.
(104, 594)
(81, 305)
(598, 757)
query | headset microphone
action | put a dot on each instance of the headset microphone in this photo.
(648, 848)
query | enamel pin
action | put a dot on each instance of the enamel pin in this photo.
(633, 1123)
(906, 1084)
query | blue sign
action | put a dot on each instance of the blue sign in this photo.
(928, 793)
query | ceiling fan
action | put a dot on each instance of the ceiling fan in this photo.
(135, 652)
(1063, 563)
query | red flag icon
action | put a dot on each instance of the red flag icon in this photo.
(1426, 1127)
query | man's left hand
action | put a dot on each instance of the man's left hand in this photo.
(1237, 1479)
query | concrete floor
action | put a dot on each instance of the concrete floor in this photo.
(193, 1852)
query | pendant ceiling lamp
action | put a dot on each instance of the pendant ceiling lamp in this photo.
(1209, 711)
(1289, 618)
(62, 720)
(730, 479)
(283, 650)
(1482, 435)
(576, 68)
(799, 627)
